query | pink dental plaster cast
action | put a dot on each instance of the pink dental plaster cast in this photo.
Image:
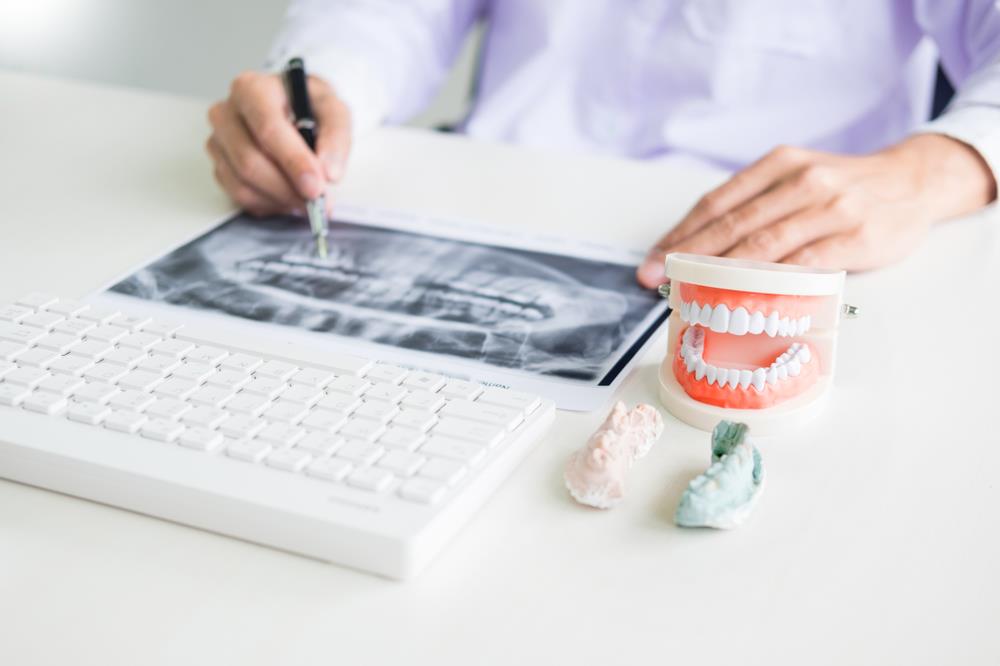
(595, 475)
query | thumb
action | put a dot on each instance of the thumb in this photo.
(333, 141)
(650, 272)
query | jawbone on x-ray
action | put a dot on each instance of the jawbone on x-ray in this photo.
(533, 311)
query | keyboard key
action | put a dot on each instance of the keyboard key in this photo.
(25, 335)
(99, 315)
(160, 328)
(132, 401)
(108, 373)
(202, 439)
(402, 463)
(129, 358)
(71, 364)
(453, 449)
(242, 362)
(59, 342)
(13, 395)
(249, 451)
(324, 420)
(205, 417)
(348, 385)
(67, 308)
(43, 320)
(370, 478)
(63, 385)
(525, 403)
(168, 408)
(27, 377)
(362, 429)
(174, 348)
(98, 392)
(424, 380)
(8, 350)
(416, 419)
(93, 349)
(380, 412)
(36, 357)
(461, 390)
(386, 393)
(177, 388)
(485, 434)
(312, 377)
(268, 387)
(361, 453)
(474, 411)
(332, 469)
(207, 354)
(75, 327)
(285, 412)
(242, 426)
(36, 300)
(449, 472)
(283, 434)
(423, 491)
(383, 372)
(290, 460)
(424, 400)
(90, 413)
(320, 444)
(234, 380)
(45, 403)
(132, 323)
(139, 380)
(14, 313)
(401, 438)
(303, 395)
(277, 369)
(339, 402)
(196, 372)
(124, 421)
(162, 430)
(248, 403)
(107, 333)
(211, 396)
(158, 363)
(141, 341)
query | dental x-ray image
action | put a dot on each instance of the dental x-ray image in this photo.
(543, 313)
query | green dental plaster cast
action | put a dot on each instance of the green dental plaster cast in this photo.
(726, 493)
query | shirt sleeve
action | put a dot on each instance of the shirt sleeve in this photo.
(967, 34)
(385, 58)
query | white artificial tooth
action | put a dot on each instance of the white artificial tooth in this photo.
(772, 375)
(808, 323)
(794, 367)
(711, 372)
(688, 337)
(705, 316)
(685, 309)
(739, 321)
(783, 327)
(757, 323)
(690, 360)
(745, 377)
(771, 325)
(720, 319)
(804, 355)
(782, 371)
(699, 369)
(759, 377)
(732, 377)
(693, 313)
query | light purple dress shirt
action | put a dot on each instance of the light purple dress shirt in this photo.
(722, 80)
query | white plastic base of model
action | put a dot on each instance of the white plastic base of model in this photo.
(376, 533)
(763, 422)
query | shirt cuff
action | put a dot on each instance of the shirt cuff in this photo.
(977, 126)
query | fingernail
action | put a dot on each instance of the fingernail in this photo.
(334, 167)
(309, 185)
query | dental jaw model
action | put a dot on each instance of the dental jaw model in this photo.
(595, 475)
(749, 341)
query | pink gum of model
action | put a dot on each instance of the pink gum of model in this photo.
(595, 475)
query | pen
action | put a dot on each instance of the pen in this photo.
(305, 123)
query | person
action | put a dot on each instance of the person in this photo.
(820, 106)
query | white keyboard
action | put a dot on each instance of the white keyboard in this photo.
(364, 464)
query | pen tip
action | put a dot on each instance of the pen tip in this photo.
(322, 248)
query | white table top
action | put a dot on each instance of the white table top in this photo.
(876, 540)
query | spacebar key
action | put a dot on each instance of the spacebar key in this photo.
(343, 364)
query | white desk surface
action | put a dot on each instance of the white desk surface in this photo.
(876, 541)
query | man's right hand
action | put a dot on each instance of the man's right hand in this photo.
(260, 159)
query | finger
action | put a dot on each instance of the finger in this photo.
(838, 252)
(247, 161)
(788, 235)
(333, 142)
(260, 101)
(243, 195)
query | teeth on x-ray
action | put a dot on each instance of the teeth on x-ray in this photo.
(543, 313)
